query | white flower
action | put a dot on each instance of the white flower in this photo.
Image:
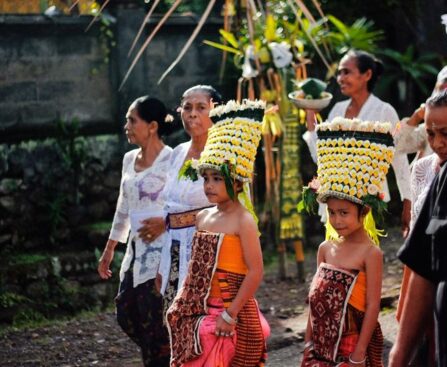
(282, 57)
(195, 163)
(248, 71)
(444, 21)
(373, 189)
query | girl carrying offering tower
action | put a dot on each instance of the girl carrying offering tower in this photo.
(344, 297)
(214, 319)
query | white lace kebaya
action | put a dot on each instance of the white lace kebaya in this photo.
(423, 172)
(180, 196)
(140, 191)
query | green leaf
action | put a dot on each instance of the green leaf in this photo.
(223, 47)
(225, 170)
(230, 38)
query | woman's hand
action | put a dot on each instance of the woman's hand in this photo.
(418, 116)
(223, 328)
(104, 262)
(152, 228)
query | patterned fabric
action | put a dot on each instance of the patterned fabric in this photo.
(172, 284)
(139, 314)
(182, 220)
(189, 306)
(335, 324)
(218, 350)
(291, 222)
(328, 298)
(250, 347)
(140, 191)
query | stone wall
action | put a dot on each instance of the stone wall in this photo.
(48, 74)
(53, 70)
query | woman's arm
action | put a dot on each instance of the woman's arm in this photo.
(373, 266)
(120, 226)
(415, 314)
(121, 222)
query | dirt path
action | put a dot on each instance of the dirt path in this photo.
(98, 341)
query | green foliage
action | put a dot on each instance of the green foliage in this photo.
(409, 67)
(360, 35)
(10, 299)
(377, 206)
(188, 171)
(225, 170)
(308, 201)
(26, 259)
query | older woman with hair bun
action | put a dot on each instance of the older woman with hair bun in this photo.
(144, 174)
(358, 72)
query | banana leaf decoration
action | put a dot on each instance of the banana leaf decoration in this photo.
(225, 170)
(308, 201)
(377, 206)
(188, 171)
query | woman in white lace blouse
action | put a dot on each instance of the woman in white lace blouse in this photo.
(358, 72)
(144, 174)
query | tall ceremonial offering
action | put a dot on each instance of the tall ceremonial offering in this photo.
(353, 159)
(231, 146)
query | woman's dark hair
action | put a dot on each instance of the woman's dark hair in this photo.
(207, 89)
(152, 109)
(365, 61)
(438, 100)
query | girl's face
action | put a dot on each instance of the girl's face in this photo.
(195, 111)
(138, 131)
(344, 216)
(214, 186)
(349, 77)
(436, 127)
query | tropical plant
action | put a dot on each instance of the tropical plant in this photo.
(409, 68)
(360, 35)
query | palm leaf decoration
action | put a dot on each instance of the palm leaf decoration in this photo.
(188, 171)
(225, 171)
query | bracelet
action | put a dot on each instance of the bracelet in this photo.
(356, 362)
(227, 318)
(308, 344)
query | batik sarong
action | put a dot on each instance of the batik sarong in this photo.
(336, 324)
(190, 308)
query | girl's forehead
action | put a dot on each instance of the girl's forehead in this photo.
(211, 172)
(335, 203)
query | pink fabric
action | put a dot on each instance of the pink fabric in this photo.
(218, 351)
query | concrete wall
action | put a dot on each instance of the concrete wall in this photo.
(51, 69)
(47, 74)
